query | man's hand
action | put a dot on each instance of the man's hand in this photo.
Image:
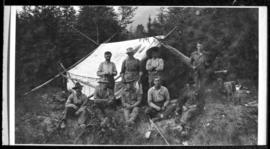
(163, 108)
(158, 108)
(184, 108)
(78, 112)
(74, 106)
(128, 106)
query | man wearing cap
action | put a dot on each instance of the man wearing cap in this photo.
(199, 63)
(130, 98)
(131, 67)
(107, 70)
(159, 101)
(154, 66)
(103, 99)
(76, 104)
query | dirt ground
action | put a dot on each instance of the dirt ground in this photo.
(220, 123)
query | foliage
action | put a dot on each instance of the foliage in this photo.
(47, 34)
(227, 34)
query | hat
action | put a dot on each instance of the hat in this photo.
(128, 80)
(103, 80)
(130, 50)
(77, 86)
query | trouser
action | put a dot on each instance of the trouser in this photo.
(196, 77)
(166, 113)
(69, 111)
(131, 114)
(188, 114)
(111, 83)
(100, 109)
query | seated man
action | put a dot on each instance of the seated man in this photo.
(104, 97)
(190, 106)
(76, 104)
(159, 101)
(130, 98)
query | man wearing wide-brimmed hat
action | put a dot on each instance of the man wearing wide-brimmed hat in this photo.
(130, 98)
(104, 99)
(154, 66)
(131, 67)
(76, 105)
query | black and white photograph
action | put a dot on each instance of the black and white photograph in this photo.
(136, 75)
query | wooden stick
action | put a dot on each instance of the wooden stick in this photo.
(109, 39)
(93, 41)
(181, 56)
(43, 84)
(159, 131)
(170, 32)
(61, 64)
(86, 83)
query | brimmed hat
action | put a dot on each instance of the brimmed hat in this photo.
(77, 86)
(130, 50)
(102, 80)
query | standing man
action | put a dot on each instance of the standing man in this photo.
(154, 66)
(130, 98)
(107, 70)
(76, 105)
(198, 61)
(159, 101)
(131, 67)
(104, 98)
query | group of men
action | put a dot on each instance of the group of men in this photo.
(159, 102)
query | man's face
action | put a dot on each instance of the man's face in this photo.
(130, 54)
(157, 82)
(108, 57)
(78, 90)
(155, 55)
(199, 46)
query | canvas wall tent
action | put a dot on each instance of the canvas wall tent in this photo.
(86, 70)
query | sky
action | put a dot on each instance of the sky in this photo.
(141, 14)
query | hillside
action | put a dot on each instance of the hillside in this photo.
(221, 123)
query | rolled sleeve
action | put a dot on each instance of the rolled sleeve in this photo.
(100, 69)
(148, 65)
(160, 65)
(114, 69)
(149, 96)
(167, 94)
